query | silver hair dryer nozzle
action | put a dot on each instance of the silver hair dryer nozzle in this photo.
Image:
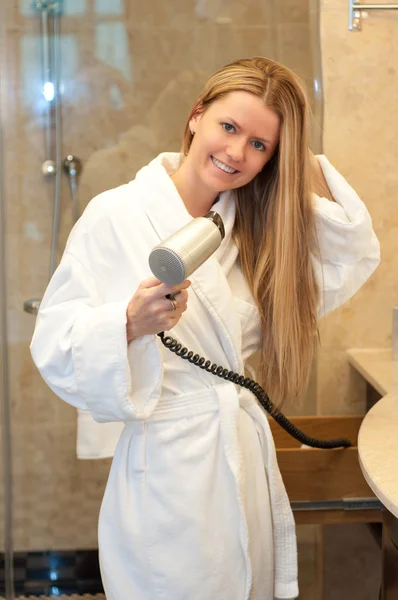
(181, 254)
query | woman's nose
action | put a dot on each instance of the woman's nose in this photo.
(236, 151)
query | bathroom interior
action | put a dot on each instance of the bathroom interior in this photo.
(91, 91)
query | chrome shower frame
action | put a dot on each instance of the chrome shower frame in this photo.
(5, 423)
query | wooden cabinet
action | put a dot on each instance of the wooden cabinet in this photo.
(325, 486)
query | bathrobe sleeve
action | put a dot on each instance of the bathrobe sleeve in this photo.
(80, 345)
(349, 250)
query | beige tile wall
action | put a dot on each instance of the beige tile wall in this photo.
(360, 129)
(116, 117)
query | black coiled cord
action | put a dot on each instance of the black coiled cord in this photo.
(175, 346)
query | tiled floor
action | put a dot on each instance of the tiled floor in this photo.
(72, 597)
(352, 562)
(55, 573)
(337, 562)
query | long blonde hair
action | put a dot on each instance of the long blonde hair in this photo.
(275, 226)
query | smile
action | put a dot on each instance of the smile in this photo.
(223, 167)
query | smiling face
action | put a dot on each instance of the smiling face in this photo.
(234, 138)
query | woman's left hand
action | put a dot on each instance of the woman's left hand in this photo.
(319, 184)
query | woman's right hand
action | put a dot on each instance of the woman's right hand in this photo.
(149, 311)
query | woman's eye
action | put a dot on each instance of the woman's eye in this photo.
(228, 127)
(258, 145)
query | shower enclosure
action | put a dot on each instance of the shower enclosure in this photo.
(90, 91)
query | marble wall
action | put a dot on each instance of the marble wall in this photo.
(360, 126)
(129, 73)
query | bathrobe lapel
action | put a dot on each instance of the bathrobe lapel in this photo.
(209, 282)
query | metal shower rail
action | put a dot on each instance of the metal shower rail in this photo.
(50, 12)
(355, 9)
(50, 65)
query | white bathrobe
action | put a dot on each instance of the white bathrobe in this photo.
(195, 507)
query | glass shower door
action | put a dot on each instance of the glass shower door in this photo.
(128, 73)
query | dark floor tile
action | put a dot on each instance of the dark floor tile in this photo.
(90, 587)
(352, 563)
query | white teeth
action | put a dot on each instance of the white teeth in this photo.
(220, 165)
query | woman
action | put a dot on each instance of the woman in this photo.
(195, 507)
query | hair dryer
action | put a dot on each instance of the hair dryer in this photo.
(177, 258)
(182, 253)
